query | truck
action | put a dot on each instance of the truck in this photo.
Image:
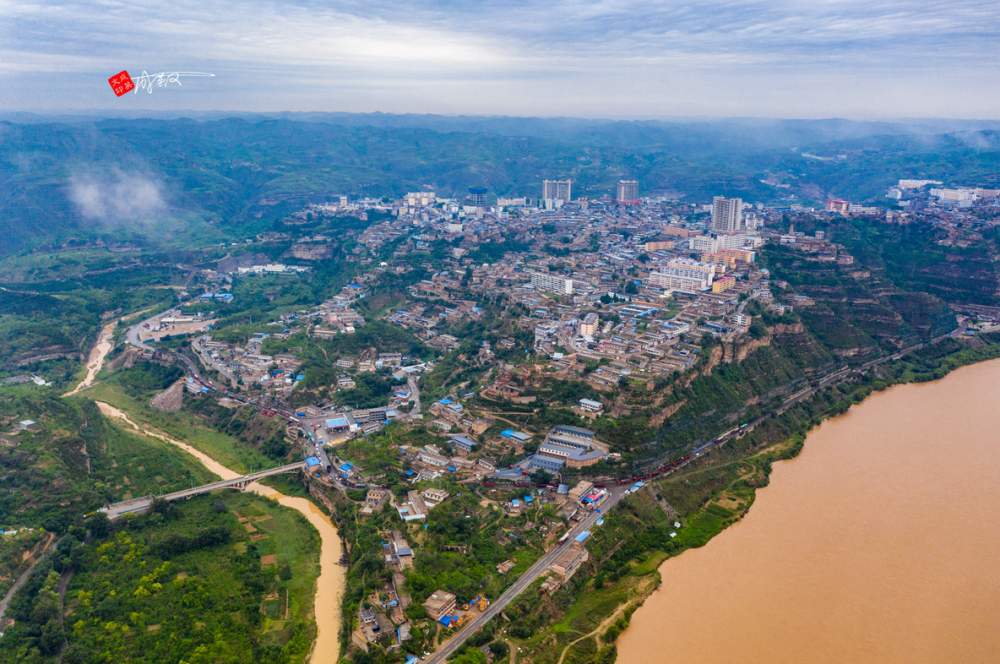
(563, 539)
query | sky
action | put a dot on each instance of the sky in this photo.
(871, 59)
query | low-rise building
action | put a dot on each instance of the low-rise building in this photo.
(742, 320)
(462, 443)
(440, 604)
(570, 559)
(552, 283)
(723, 284)
(434, 495)
(673, 278)
(375, 500)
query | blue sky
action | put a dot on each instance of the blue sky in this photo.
(613, 58)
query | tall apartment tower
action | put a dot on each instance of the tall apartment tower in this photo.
(727, 214)
(628, 191)
(557, 189)
(477, 195)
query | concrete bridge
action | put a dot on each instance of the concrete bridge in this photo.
(141, 504)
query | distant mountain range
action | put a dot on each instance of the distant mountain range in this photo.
(84, 174)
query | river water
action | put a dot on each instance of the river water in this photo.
(329, 585)
(879, 543)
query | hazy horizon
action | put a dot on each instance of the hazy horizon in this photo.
(678, 119)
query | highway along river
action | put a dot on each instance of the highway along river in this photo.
(329, 585)
(879, 543)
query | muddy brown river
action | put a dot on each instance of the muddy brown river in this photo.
(879, 543)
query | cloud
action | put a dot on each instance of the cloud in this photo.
(541, 56)
(117, 197)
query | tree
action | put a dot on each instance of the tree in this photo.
(470, 656)
(99, 524)
(52, 637)
(541, 476)
(499, 648)
(75, 654)
(623, 382)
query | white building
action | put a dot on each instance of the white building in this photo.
(552, 283)
(553, 190)
(628, 191)
(691, 264)
(673, 278)
(703, 244)
(727, 214)
(955, 195)
(915, 184)
(857, 208)
(420, 198)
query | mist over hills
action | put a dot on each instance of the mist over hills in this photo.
(183, 173)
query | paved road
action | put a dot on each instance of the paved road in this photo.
(535, 571)
(115, 510)
(414, 394)
(207, 360)
(132, 337)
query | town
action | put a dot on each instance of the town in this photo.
(610, 294)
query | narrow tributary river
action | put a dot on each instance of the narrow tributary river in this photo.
(329, 585)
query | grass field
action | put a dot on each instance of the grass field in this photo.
(136, 465)
(186, 428)
(293, 541)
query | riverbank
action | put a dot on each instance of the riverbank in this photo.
(105, 342)
(858, 550)
(719, 491)
(329, 585)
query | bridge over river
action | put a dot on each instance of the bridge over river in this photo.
(133, 505)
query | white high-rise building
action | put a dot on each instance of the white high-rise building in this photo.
(552, 283)
(557, 190)
(727, 214)
(628, 191)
